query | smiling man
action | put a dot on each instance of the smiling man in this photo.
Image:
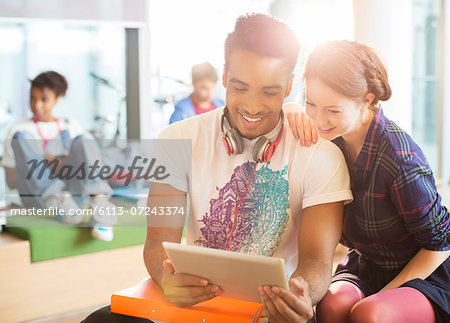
(253, 188)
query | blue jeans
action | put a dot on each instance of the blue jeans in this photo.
(34, 187)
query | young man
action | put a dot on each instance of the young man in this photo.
(289, 207)
(262, 193)
(201, 100)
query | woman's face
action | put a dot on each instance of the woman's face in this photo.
(333, 113)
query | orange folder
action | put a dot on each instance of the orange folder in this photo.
(146, 300)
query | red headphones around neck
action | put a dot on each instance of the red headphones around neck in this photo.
(263, 149)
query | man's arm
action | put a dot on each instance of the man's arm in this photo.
(180, 289)
(11, 179)
(319, 232)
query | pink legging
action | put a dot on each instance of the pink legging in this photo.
(344, 302)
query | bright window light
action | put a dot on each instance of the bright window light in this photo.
(318, 21)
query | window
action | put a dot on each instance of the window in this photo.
(425, 127)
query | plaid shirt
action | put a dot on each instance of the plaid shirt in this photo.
(396, 208)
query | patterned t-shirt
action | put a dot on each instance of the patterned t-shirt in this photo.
(270, 205)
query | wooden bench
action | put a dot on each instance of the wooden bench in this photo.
(34, 290)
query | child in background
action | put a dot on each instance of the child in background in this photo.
(61, 142)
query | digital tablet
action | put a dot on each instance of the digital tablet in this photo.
(238, 274)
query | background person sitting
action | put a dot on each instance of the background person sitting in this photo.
(57, 142)
(204, 81)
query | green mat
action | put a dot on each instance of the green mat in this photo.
(50, 239)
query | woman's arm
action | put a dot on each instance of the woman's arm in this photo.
(421, 266)
(417, 201)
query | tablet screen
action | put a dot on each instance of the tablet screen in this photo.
(238, 274)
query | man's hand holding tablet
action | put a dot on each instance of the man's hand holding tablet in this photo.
(283, 305)
(231, 274)
(184, 289)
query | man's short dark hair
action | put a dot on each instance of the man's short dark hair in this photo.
(203, 71)
(264, 35)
